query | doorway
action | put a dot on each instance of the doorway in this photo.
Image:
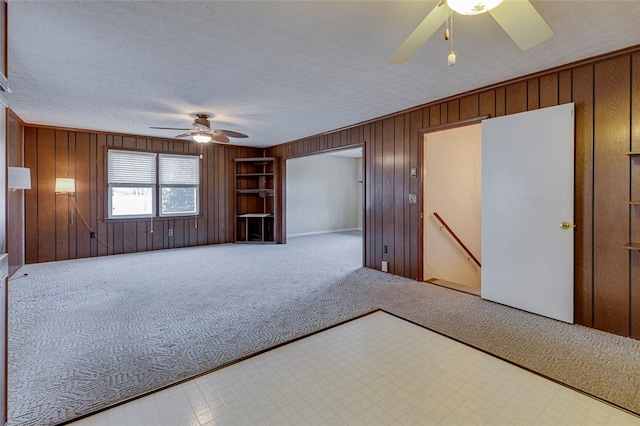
(324, 194)
(452, 207)
(525, 174)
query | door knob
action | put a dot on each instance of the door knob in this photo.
(566, 225)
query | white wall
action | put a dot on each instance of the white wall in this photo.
(323, 194)
(360, 189)
(453, 182)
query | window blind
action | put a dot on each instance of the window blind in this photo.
(130, 167)
(179, 169)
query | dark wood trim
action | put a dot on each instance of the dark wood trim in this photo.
(125, 135)
(453, 125)
(15, 116)
(420, 137)
(350, 145)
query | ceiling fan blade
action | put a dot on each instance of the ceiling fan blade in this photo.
(421, 34)
(168, 128)
(522, 22)
(219, 138)
(186, 135)
(231, 134)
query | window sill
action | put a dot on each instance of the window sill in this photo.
(148, 218)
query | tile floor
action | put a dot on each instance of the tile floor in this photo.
(378, 369)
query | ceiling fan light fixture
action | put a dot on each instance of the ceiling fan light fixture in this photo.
(472, 7)
(202, 137)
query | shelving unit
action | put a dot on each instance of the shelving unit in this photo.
(633, 245)
(256, 192)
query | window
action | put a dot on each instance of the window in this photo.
(179, 184)
(137, 180)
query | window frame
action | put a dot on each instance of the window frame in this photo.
(110, 215)
(196, 188)
(156, 188)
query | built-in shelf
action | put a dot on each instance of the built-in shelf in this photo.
(632, 246)
(256, 193)
(241, 175)
(632, 153)
(634, 202)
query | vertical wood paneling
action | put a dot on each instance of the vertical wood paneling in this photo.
(533, 94)
(516, 97)
(564, 87)
(635, 195)
(56, 229)
(434, 116)
(453, 111)
(548, 90)
(204, 196)
(74, 220)
(501, 100)
(100, 164)
(583, 98)
(62, 204)
(469, 107)
(46, 197)
(488, 103)
(414, 227)
(399, 197)
(31, 196)
(444, 113)
(130, 237)
(406, 177)
(93, 191)
(83, 190)
(611, 195)
(378, 207)
(368, 198)
(15, 199)
(388, 191)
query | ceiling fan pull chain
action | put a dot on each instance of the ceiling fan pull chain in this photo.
(446, 29)
(451, 59)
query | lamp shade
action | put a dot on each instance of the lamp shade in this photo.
(65, 185)
(19, 178)
(472, 7)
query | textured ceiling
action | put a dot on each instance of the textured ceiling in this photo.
(275, 70)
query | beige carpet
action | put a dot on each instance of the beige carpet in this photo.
(89, 333)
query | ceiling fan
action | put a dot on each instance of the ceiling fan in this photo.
(518, 18)
(202, 131)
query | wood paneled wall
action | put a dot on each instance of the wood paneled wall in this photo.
(606, 91)
(55, 228)
(15, 199)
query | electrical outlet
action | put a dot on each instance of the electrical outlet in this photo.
(385, 249)
(385, 266)
(413, 198)
(171, 232)
(92, 234)
(414, 172)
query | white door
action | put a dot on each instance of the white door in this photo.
(527, 193)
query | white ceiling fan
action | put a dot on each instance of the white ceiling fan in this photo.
(518, 18)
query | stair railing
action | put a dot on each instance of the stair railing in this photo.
(455, 237)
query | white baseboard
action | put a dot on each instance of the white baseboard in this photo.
(331, 231)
